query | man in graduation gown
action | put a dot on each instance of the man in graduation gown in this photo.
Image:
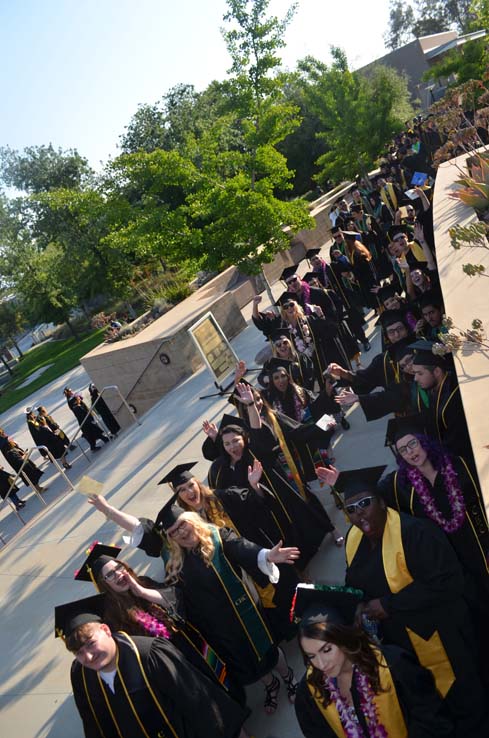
(383, 370)
(138, 687)
(413, 586)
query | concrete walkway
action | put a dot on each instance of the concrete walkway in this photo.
(37, 565)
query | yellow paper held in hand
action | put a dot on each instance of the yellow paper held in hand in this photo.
(88, 486)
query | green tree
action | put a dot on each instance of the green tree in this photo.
(401, 21)
(359, 114)
(43, 168)
(424, 17)
(12, 320)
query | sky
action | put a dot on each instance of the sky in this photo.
(73, 72)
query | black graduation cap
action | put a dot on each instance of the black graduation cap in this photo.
(355, 481)
(423, 354)
(73, 614)
(316, 603)
(352, 235)
(389, 317)
(309, 276)
(396, 230)
(335, 229)
(178, 475)
(169, 514)
(278, 332)
(312, 252)
(97, 556)
(288, 272)
(399, 427)
(401, 349)
(356, 208)
(228, 420)
(386, 291)
(277, 363)
(286, 297)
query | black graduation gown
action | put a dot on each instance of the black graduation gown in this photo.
(195, 706)
(432, 602)
(471, 541)
(55, 427)
(52, 442)
(31, 474)
(6, 480)
(304, 522)
(34, 430)
(382, 371)
(91, 431)
(364, 271)
(208, 608)
(105, 413)
(419, 702)
(349, 298)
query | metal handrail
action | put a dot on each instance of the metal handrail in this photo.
(19, 475)
(90, 410)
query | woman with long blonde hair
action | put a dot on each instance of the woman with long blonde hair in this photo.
(205, 566)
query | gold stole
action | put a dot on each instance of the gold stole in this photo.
(431, 653)
(386, 703)
(388, 196)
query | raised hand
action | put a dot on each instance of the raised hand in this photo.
(243, 392)
(99, 503)
(254, 473)
(279, 555)
(346, 397)
(328, 474)
(335, 370)
(257, 299)
(210, 429)
(239, 371)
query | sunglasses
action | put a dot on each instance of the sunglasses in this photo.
(287, 305)
(360, 505)
(284, 342)
(110, 576)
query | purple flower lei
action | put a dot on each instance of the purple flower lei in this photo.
(150, 624)
(454, 495)
(367, 705)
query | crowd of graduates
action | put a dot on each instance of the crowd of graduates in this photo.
(399, 646)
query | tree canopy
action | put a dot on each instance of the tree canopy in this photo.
(410, 20)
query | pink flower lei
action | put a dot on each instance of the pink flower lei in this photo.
(150, 624)
(367, 705)
(454, 495)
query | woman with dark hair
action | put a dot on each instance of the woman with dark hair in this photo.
(299, 514)
(31, 474)
(90, 429)
(53, 442)
(42, 412)
(363, 268)
(352, 687)
(103, 410)
(301, 365)
(139, 605)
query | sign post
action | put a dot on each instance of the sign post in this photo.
(215, 350)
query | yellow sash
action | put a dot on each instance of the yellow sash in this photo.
(431, 653)
(387, 706)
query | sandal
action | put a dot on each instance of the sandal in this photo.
(271, 695)
(338, 539)
(290, 684)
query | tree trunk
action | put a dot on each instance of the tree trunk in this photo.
(6, 365)
(21, 355)
(72, 329)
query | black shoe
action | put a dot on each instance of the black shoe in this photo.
(105, 439)
(366, 345)
(95, 448)
(345, 424)
(19, 505)
(72, 447)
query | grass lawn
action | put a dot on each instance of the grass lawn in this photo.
(63, 355)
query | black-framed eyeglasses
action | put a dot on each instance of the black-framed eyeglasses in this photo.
(360, 505)
(110, 576)
(410, 445)
(287, 305)
(176, 532)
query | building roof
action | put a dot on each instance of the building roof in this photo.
(454, 43)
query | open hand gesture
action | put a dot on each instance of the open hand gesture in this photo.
(278, 555)
(210, 429)
(99, 503)
(243, 392)
(328, 474)
(254, 473)
(346, 397)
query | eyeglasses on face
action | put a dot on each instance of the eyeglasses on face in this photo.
(394, 329)
(338, 235)
(288, 305)
(110, 576)
(360, 505)
(292, 279)
(410, 445)
(179, 529)
(282, 341)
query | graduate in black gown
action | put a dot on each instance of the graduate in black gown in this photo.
(247, 512)
(300, 515)
(42, 411)
(31, 474)
(6, 480)
(103, 410)
(33, 426)
(90, 429)
(53, 442)
(205, 565)
(413, 585)
(138, 687)
(352, 686)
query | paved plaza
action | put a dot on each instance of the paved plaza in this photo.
(38, 563)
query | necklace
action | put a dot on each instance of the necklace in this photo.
(350, 724)
(454, 495)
